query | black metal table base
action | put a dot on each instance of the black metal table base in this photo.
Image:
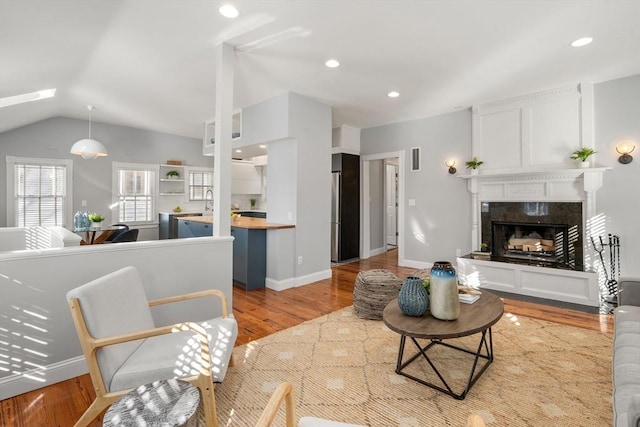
(476, 371)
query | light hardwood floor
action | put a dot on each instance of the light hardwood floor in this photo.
(260, 313)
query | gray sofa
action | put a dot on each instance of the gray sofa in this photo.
(626, 355)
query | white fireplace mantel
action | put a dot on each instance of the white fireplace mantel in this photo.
(563, 185)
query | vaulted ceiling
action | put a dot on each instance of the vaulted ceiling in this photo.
(150, 64)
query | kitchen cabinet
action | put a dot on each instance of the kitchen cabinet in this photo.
(171, 185)
(193, 229)
(249, 257)
(168, 224)
(253, 214)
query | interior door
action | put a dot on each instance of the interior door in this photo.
(391, 203)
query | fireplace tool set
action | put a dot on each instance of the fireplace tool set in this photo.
(612, 274)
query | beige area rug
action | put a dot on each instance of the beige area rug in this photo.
(342, 368)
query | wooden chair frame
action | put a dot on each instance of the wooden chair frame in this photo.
(284, 394)
(91, 345)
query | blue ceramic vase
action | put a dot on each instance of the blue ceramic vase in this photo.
(413, 299)
(444, 291)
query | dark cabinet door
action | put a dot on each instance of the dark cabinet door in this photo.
(349, 199)
(249, 257)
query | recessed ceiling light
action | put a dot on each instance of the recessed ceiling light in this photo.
(228, 11)
(332, 63)
(263, 146)
(393, 94)
(238, 151)
(581, 42)
(27, 97)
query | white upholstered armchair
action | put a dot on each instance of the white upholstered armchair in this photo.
(125, 349)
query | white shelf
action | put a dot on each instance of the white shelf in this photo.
(172, 194)
(171, 180)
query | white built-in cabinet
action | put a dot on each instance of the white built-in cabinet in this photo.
(208, 139)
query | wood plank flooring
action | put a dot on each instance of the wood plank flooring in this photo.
(260, 313)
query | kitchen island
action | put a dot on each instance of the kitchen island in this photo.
(249, 245)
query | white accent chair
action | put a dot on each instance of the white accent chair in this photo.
(125, 349)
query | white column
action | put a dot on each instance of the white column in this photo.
(225, 57)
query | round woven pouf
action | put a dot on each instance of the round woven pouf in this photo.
(373, 290)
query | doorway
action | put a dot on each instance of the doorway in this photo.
(377, 232)
(391, 203)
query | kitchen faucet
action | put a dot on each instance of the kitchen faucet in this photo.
(206, 201)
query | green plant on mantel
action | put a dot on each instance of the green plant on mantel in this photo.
(583, 154)
(474, 163)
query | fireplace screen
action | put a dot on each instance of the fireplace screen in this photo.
(531, 241)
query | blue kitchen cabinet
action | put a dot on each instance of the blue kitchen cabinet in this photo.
(194, 229)
(249, 257)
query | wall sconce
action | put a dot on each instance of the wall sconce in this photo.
(450, 164)
(625, 148)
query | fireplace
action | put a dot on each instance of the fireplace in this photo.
(541, 233)
(540, 242)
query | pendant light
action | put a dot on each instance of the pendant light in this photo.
(89, 148)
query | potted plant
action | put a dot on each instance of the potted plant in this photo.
(583, 155)
(474, 164)
(253, 203)
(173, 174)
(484, 247)
(96, 220)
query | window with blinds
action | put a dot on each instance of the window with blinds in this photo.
(199, 183)
(136, 195)
(40, 192)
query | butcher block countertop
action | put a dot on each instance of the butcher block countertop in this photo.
(241, 222)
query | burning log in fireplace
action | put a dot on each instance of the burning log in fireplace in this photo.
(531, 241)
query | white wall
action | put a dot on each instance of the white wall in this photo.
(617, 118)
(439, 222)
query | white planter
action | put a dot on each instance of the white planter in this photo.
(585, 164)
(96, 225)
(474, 171)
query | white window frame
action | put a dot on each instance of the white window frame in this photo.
(188, 180)
(11, 161)
(115, 206)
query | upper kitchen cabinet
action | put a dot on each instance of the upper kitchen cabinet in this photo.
(210, 132)
(246, 177)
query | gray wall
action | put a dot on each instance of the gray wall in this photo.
(440, 221)
(617, 118)
(52, 138)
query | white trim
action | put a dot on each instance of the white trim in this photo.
(377, 251)
(16, 384)
(365, 197)
(294, 282)
(68, 202)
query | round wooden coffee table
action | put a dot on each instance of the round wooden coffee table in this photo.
(476, 318)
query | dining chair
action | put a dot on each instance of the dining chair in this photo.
(126, 236)
(124, 348)
(123, 228)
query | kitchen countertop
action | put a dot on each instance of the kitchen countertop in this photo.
(241, 222)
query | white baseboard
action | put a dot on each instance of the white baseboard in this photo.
(419, 265)
(294, 282)
(377, 251)
(16, 384)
